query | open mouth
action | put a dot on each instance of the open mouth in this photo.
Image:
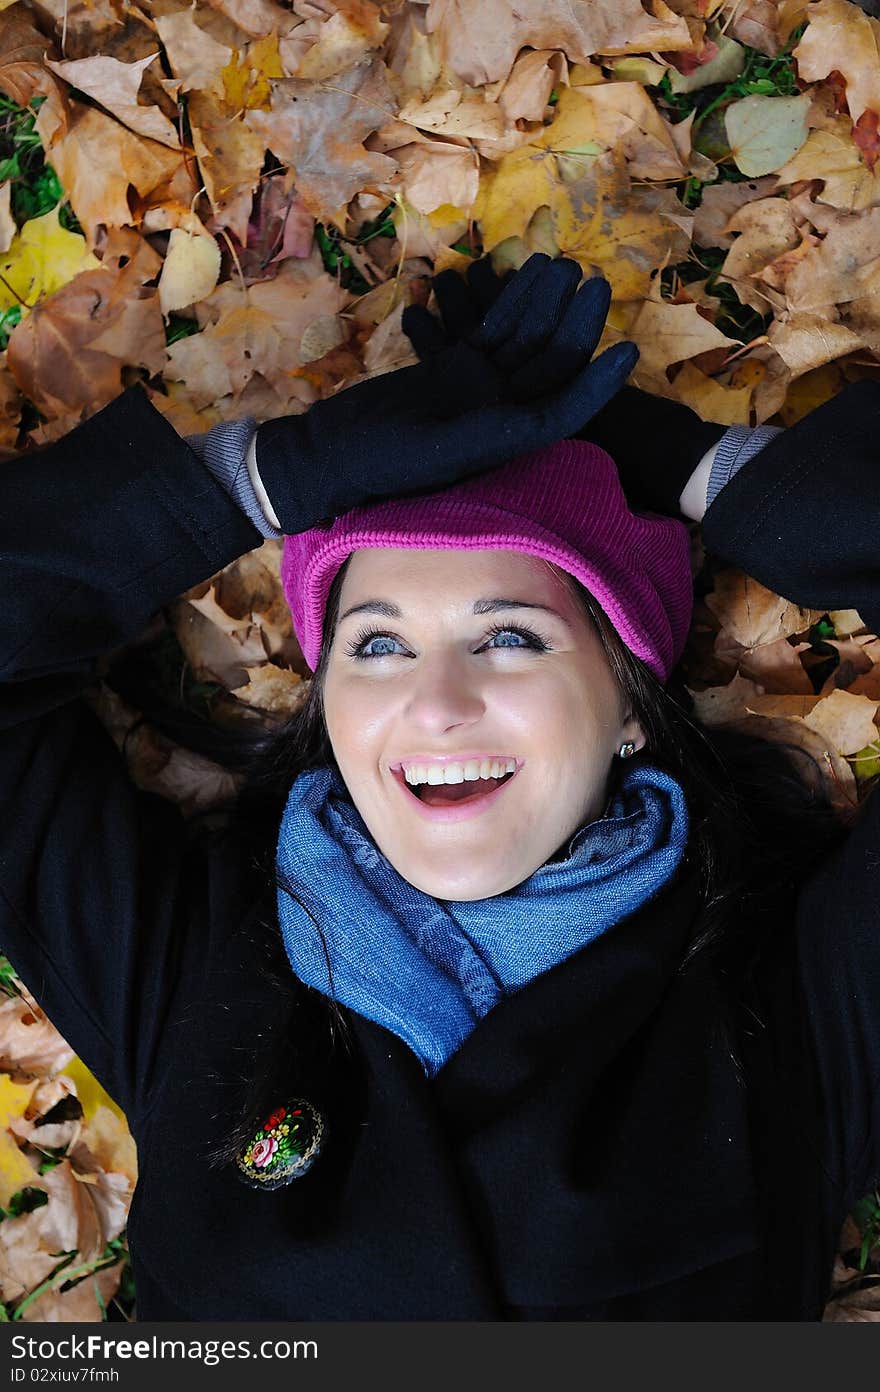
(444, 794)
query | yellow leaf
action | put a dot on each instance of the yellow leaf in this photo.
(16, 1171)
(43, 257)
(14, 1098)
(189, 272)
(246, 82)
(89, 1091)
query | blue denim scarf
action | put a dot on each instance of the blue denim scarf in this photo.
(429, 969)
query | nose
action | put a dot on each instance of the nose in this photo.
(444, 695)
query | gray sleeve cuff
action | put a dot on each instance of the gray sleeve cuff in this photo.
(223, 451)
(735, 448)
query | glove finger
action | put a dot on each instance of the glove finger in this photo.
(571, 346)
(485, 284)
(423, 331)
(502, 319)
(493, 432)
(561, 414)
(457, 308)
(553, 291)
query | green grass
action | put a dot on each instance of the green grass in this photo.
(336, 259)
(35, 186)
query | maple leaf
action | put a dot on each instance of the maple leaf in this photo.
(230, 158)
(97, 160)
(68, 354)
(840, 37)
(115, 86)
(318, 129)
(480, 42)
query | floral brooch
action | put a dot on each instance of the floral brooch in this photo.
(286, 1146)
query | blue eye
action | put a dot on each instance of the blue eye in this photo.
(531, 640)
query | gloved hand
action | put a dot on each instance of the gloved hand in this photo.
(519, 379)
(628, 427)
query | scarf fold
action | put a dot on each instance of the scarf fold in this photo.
(429, 969)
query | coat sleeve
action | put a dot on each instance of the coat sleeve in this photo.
(803, 517)
(97, 883)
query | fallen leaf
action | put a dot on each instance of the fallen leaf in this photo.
(720, 202)
(230, 157)
(8, 228)
(195, 58)
(272, 688)
(347, 37)
(84, 1302)
(29, 1041)
(41, 258)
(751, 613)
(115, 85)
(480, 42)
(98, 160)
(189, 272)
(840, 37)
(765, 132)
(319, 133)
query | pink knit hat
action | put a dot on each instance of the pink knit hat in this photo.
(563, 503)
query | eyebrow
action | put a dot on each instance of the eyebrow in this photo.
(481, 606)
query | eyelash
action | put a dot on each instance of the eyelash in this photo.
(534, 641)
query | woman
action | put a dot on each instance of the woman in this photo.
(542, 1087)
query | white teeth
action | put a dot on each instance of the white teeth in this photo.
(467, 772)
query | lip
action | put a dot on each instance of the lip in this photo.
(456, 811)
(453, 759)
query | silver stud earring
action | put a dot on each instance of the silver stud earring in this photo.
(626, 750)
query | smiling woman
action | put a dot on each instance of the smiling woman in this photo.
(442, 686)
(568, 1057)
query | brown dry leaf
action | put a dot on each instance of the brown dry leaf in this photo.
(756, 23)
(859, 1306)
(840, 37)
(670, 333)
(436, 175)
(480, 42)
(8, 226)
(767, 229)
(68, 354)
(752, 614)
(346, 38)
(24, 1260)
(845, 266)
(845, 719)
(454, 113)
(230, 158)
(115, 85)
(256, 17)
(29, 1041)
(105, 1143)
(196, 59)
(318, 130)
(719, 705)
(807, 341)
(838, 778)
(720, 202)
(831, 155)
(272, 688)
(97, 160)
(85, 1302)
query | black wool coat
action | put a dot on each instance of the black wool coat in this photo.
(590, 1151)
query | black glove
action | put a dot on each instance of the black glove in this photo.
(656, 444)
(522, 378)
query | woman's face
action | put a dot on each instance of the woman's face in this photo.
(434, 682)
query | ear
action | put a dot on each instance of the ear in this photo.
(633, 730)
